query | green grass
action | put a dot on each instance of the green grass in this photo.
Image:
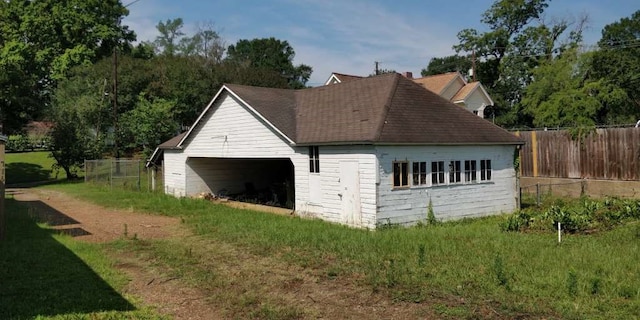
(24, 167)
(519, 274)
(47, 275)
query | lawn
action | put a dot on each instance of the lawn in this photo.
(517, 274)
(46, 275)
(24, 167)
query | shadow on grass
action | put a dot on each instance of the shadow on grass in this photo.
(21, 172)
(40, 276)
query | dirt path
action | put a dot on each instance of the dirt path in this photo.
(92, 223)
(262, 283)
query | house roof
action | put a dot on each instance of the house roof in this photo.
(465, 91)
(437, 83)
(341, 77)
(382, 109)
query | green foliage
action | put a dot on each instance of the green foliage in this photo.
(72, 142)
(572, 283)
(40, 41)
(18, 143)
(577, 216)
(270, 54)
(431, 217)
(446, 64)
(517, 42)
(564, 96)
(617, 63)
(500, 272)
(148, 124)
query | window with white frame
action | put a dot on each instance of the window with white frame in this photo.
(420, 173)
(314, 159)
(454, 171)
(437, 172)
(470, 174)
(400, 174)
(485, 170)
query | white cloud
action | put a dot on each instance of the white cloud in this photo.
(350, 35)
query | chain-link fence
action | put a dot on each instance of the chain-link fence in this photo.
(122, 173)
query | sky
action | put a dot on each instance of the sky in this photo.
(348, 36)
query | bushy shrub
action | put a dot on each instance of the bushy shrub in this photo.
(18, 143)
(575, 216)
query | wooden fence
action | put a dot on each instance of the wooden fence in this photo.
(611, 154)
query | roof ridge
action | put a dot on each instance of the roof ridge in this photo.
(387, 107)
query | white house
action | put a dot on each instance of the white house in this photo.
(469, 95)
(363, 152)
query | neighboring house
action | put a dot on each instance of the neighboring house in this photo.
(451, 86)
(340, 77)
(364, 152)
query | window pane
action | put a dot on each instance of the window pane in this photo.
(405, 174)
(317, 165)
(396, 174)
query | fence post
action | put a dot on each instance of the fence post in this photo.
(139, 176)
(538, 194)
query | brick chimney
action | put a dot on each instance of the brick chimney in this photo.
(408, 74)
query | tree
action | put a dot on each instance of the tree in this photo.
(518, 40)
(563, 95)
(447, 64)
(618, 62)
(40, 41)
(206, 43)
(149, 124)
(170, 33)
(269, 54)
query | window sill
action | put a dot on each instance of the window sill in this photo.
(439, 186)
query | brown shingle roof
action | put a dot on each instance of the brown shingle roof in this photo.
(345, 77)
(465, 91)
(383, 109)
(437, 83)
(420, 116)
(173, 142)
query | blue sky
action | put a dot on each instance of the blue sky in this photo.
(347, 36)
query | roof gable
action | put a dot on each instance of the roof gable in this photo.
(336, 78)
(440, 82)
(274, 106)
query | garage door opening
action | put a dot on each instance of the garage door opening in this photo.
(263, 181)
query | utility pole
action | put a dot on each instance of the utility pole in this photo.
(116, 152)
(377, 70)
(473, 65)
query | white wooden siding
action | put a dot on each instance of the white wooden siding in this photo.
(477, 100)
(174, 173)
(449, 201)
(331, 207)
(230, 130)
(453, 88)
